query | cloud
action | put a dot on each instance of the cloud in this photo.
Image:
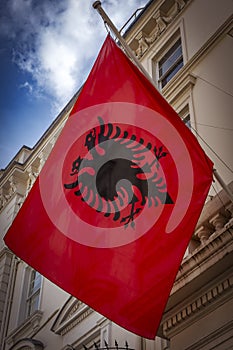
(27, 86)
(57, 41)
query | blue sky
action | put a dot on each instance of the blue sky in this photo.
(47, 48)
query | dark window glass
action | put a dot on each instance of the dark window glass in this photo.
(171, 63)
(187, 122)
(34, 292)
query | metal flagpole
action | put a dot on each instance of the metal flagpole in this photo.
(106, 19)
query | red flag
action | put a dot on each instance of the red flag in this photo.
(111, 213)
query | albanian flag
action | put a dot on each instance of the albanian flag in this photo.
(113, 210)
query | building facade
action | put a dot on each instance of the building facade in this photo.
(187, 48)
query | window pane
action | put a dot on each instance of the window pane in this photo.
(34, 292)
(187, 121)
(170, 58)
(168, 77)
(171, 63)
(33, 303)
(35, 282)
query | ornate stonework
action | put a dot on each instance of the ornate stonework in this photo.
(205, 279)
(161, 21)
(72, 313)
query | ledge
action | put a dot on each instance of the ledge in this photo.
(29, 326)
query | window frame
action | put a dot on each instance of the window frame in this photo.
(25, 311)
(185, 115)
(187, 121)
(165, 77)
(162, 46)
(33, 294)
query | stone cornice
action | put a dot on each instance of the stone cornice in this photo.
(206, 255)
(191, 311)
(162, 14)
(204, 281)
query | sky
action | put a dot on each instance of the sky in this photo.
(47, 49)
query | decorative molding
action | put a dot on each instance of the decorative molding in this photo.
(204, 232)
(85, 313)
(42, 159)
(161, 20)
(213, 337)
(6, 253)
(28, 344)
(188, 312)
(14, 185)
(32, 175)
(218, 221)
(143, 45)
(185, 85)
(7, 191)
(204, 256)
(30, 325)
(72, 313)
(216, 250)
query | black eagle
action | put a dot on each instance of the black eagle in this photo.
(120, 172)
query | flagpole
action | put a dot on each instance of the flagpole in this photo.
(97, 6)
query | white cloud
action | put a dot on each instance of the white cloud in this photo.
(58, 40)
(27, 86)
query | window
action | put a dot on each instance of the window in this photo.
(170, 63)
(185, 116)
(33, 293)
(30, 297)
(187, 121)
